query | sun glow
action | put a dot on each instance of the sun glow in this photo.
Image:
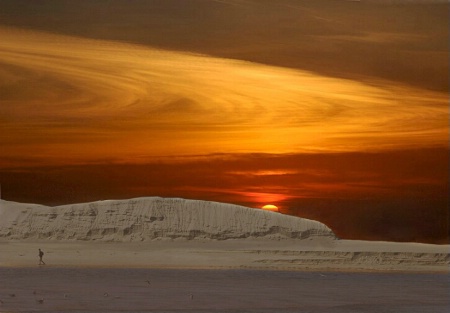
(270, 207)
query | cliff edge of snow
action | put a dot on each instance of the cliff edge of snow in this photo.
(150, 218)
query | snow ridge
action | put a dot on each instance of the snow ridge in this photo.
(150, 218)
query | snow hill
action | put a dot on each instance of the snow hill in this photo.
(150, 218)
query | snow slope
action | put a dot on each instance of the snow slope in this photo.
(149, 218)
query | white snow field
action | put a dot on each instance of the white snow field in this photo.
(175, 255)
(177, 233)
(150, 218)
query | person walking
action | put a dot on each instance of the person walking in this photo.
(41, 255)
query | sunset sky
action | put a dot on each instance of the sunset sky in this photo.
(331, 110)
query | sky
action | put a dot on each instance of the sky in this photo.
(330, 110)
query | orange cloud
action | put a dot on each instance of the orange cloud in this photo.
(101, 99)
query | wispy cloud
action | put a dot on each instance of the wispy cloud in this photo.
(100, 98)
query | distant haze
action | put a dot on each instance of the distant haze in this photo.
(331, 110)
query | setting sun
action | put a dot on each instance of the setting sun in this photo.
(144, 98)
(270, 207)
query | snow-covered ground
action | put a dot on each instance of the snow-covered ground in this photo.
(150, 218)
(175, 255)
(219, 291)
(178, 233)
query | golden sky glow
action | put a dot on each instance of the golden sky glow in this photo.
(331, 110)
(84, 98)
